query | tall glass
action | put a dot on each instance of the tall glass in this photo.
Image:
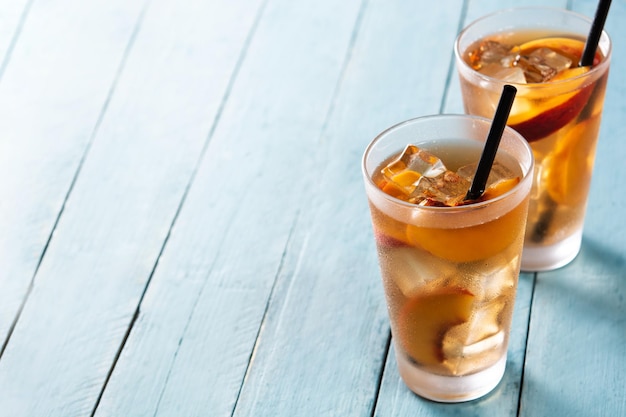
(450, 273)
(559, 117)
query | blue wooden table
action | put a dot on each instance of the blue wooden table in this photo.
(184, 229)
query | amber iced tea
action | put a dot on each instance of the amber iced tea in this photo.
(449, 268)
(557, 109)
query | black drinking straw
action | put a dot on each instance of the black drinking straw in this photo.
(594, 33)
(493, 141)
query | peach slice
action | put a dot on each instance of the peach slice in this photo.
(572, 48)
(388, 232)
(385, 240)
(537, 119)
(570, 166)
(425, 318)
(499, 188)
(569, 73)
(537, 116)
(392, 189)
(468, 244)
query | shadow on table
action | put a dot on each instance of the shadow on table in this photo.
(577, 340)
(592, 286)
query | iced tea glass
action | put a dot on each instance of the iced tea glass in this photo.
(449, 273)
(557, 109)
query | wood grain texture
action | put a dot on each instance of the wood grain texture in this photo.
(324, 343)
(122, 205)
(577, 338)
(52, 93)
(184, 229)
(12, 15)
(190, 348)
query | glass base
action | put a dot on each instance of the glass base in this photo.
(547, 258)
(450, 389)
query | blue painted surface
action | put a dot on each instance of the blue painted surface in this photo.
(183, 226)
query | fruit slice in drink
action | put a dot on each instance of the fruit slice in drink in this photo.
(551, 60)
(572, 163)
(536, 119)
(540, 116)
(469, 244)
(425, 318)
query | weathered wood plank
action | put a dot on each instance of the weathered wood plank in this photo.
(52, 94)
(122, 205)
(190, 347)
(12, 290)
(266, 299)
(324, 343)
(577, 339)
(12, 15)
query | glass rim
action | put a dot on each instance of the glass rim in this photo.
(601, 67)
(529, 172)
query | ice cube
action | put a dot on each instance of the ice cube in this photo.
(469, 359)
(411, 166)
(484, 322)
(447, 189)
(494, 280)
(489, 52)
(477, 341)
(552, 58)
(543, 64)
(498, 173)
(424, 178)
(501, 281)
(504, 73)
(416, 160)
(414, 270)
